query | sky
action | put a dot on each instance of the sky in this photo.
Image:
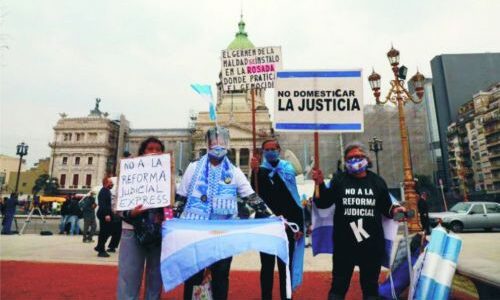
(140, 57)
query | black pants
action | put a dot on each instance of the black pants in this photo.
(267, 270)
(424, 220)
(343, 266)
(116, 233)
(220, 280)
(104, 233)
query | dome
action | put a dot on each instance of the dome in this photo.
(241, 40)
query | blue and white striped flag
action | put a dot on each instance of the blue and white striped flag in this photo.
(189, 246)
(322, 232)
(205, 91)
(433, 277)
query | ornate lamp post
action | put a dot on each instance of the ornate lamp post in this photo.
(22, 150)
(375, 146)
(399, 96)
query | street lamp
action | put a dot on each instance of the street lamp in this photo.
(399, 95)
(22, 150)
(376, 146)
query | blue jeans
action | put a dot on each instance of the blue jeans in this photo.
(64, 220)
(75, 229)
(131, 261)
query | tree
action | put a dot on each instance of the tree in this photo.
(48, 185)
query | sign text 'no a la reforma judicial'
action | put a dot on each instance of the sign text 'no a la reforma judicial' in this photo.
(145, 180)
(326, 101)
(245, 69)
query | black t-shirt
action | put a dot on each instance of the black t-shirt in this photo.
(359, 205)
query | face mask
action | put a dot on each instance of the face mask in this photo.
(356, 165)
(271, 155)
(217, 152)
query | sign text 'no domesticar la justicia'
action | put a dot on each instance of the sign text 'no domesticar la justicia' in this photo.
(328, 101)
(144, 180)
(245, 69)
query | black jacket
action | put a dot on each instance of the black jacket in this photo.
(277, 197)
(104, 201)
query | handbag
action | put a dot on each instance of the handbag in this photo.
(147, 231)
(204, 290)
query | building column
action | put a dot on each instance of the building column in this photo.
(237, 158)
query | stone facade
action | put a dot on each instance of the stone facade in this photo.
(84, 150)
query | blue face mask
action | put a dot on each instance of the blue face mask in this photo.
(356, 165)
(271, 155)
(217, 152)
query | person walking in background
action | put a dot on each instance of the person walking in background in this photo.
(9, 213)
(104, 214)
(423, 211)
(87, 206)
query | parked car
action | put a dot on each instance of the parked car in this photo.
(469, 215)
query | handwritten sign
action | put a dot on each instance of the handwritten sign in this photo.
(327, 101)
(144, 180)
(245, 69)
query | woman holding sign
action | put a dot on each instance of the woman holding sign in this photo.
(141, 243)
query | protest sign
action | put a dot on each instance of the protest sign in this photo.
(245, 69)
(146, 180)
(326, 101)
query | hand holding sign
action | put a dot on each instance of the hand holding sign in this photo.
(144, 182)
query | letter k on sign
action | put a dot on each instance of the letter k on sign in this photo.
(359, 230)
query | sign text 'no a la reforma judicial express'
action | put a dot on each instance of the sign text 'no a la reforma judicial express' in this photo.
(326, 101)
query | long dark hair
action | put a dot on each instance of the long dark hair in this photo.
(145, 143)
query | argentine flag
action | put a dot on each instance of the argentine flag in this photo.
(322, 231)
(205, 91)
(434, 271)
(189, 246)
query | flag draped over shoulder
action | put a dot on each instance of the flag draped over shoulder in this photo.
(189, 246)
(205, 91)
(322, 232)
(286, 172)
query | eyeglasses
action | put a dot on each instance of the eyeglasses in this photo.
(270, 149)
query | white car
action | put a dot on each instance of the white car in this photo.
(469, 215)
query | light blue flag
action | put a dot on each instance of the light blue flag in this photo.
(189, 246)
(205, 91)
(433, 278)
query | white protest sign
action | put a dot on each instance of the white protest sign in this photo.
(245, 69)
(326, 101)
(145, 180)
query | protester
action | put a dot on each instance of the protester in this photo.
(9, 213)
(361, 198)
(278, 188)
(87, 206)
(423, 210)
(104, 215)
(64, 216)
(133, 256)
(209, 191)
(74, 213)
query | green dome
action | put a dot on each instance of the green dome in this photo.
(241, 40)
